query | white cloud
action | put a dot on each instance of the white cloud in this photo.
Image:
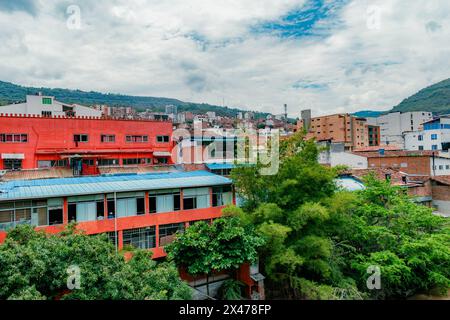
(205, 51)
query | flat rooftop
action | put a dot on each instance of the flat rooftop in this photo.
(63, 187)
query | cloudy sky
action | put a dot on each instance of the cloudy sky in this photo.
(330, 56)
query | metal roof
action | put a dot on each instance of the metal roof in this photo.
(52, 188)
(219, 166)
(350, 184)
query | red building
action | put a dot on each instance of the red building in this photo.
(83, 144)
(140, 210)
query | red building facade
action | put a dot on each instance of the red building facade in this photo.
(29, 142)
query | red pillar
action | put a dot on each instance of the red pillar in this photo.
(147, 203)
(65, 211)
(157, 235)
(120, 239)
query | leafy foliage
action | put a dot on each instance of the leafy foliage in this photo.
(223, 245)
(320, 241)
(33, 265)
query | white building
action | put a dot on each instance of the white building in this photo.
(335, 155)
(434, 136)
(47, 106)
(393, 125)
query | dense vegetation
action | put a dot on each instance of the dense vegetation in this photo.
(10, 93)
(435, 98)
(321, 241)
(34, 265)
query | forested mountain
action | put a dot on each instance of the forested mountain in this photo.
(10, 93)
(435, 98)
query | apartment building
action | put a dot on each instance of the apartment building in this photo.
(352, 131)
(394, 125)
(82, 143)
(47, 106)
(434, 136)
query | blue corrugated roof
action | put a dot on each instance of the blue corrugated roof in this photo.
(49, 188)
(219, 166)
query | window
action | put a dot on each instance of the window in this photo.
(23, 212)
(107, 138)
(111, 206)
(88, 162)
(441, 167)
(162, 139)
(13, 138)
(86, 208)
(46, 100)
(126, 207)
(137, 139)
(112, 237)
(80, 138)
(144, 238)
(108, 162)
(162, 160)
(434, 136)
(136, 161)
(167, 232)
(434, 147)
(196, 198)
(165, 201)
(420, 137)
(447, 167)
(128, 204)
(55, 216)
(222, 196)
(12, 164)
(421, 148)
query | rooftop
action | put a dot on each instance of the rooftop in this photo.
(52, 188)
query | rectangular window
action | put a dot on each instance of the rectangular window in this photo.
(222, 196)
(420, 137)
(164, 201)
(112, 237)
(80, 138)
(434, 147)
(23, 212)
(434, 136)
(162, 139)
(46, 113)
(12, 164)
(420, 148)
(46, 100)
(86, 210)
(196, 198)
(136, 139)
(111, 209)
(167, 232)
(13, 138)
(136, 161)
(107, 138)
(108, 162)
(140, 206)
(144, 238)
(55, 216)
(126, 207)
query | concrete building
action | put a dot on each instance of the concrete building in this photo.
(47, 106)
(434, 136)
(82, 143)
(335, 155)
(426, 163)
(394, 125)
(353, 132)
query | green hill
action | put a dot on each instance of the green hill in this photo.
(10, 93)
(435, 98)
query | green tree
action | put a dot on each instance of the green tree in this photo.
(320, 241)
(34, 265)
(222, 246)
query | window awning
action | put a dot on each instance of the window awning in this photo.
(162, 154)
(13, 156)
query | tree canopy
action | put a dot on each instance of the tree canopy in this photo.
(36, 265)
(321, 241)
